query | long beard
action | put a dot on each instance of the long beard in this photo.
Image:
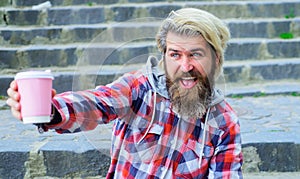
(190, 102)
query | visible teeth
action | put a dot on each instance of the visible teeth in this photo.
(188, 78)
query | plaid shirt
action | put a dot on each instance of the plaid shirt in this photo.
(150, 140)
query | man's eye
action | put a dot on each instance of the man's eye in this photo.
(174, 55)
(196, 55)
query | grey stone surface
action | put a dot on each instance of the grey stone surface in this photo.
(242, 50)
(4, 3)
(262, 88)
(61, 2)
(272, 175)
(12, 164)
(269, 80)
(162, 11)
(259, 28)
(25, 17)
(234, 9)
(84, 164)
(120, 53)
(281, 70)
(264, 69)
(244, 28)
(26, 153)
(273, 117)
(123, 13)
(4, 84)
(247, 9)
(82, 15)
(269, 126)
(278, 49)
(269, 70)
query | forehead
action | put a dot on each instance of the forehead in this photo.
(184, 42)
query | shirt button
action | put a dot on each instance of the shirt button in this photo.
(202, 155)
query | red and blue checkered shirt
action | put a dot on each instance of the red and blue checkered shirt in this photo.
(150, 140)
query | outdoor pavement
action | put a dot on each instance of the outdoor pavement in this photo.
(269, 127)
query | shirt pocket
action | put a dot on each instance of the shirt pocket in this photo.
(190, 161)
(144, 146)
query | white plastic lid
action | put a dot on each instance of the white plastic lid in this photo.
(34, 74)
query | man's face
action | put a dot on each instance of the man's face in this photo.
(190, 65)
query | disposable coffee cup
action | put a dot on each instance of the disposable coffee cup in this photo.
(35, 88)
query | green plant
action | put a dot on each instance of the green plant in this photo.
(286, 35)
(259, 94)
(239, 96)
(295, 93)
(3, 97)
(4, 107)
(291, 14)
(276, 130)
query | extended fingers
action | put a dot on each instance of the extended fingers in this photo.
(13, 100)
(13, 104)
(12, 91)
(15, 108)
(16, 114)
(13, 94)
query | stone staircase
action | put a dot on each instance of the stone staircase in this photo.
(90, 42)
(102, 39)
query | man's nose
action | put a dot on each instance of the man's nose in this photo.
(186, 64)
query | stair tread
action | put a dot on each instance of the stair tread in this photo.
(112, 69)
(142, 43)
(263, 87)
(241, 88)
(278, 61)
(255, 41)
(78, 3)
(160, 3)
(133, 23)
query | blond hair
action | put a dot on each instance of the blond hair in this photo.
(195, 22)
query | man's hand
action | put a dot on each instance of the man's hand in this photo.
(14, 99)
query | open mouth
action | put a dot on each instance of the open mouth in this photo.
(188, 82)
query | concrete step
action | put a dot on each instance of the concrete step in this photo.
(278, 69)
(244, 28)
(268, 134)
(240, 78)
(22, 3)
(18, 35)
(119, 53)
(272, 175)
(85, 14)
(261, 71)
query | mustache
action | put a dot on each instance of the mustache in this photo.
(191, 73)
(204, 80)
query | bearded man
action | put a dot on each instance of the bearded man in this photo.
(170, 121)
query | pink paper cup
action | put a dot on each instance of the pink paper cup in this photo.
(35, 88)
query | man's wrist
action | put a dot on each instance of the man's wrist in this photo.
(55, 118)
